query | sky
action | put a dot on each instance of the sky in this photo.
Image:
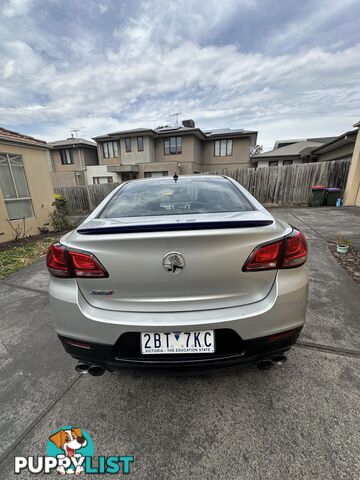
(287, 69)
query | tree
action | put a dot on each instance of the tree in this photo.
(162, 126)
(256, 150)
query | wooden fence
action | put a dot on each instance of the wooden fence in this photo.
(289, 184)
(84, 198)
(282, 185)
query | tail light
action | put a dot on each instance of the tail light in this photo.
(64, 262)
(290, 252)
(56, 261)
(296, 250)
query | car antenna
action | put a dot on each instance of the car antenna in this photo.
(175, 177)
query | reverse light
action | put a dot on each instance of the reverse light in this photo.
(66, 263)
(296, 250)
(289, 252)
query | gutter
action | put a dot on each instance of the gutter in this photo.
(39, 146)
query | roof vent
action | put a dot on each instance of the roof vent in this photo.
(188, 123)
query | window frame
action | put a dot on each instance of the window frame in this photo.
(273, 163)
(28, 198)
(140, 140)
(109, 179)
(227, 143)
(105, 152)
(164, 173)
(177, 144)
(128, 142)
(106, 149)
(288, 162)
(64, 156)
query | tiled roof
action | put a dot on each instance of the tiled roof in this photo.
(10, 135)
(286, 142)
(133, 131)
(72, 141)
(336, 142)
(293, 149)
(179, 130)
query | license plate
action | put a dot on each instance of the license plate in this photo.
(178, 342)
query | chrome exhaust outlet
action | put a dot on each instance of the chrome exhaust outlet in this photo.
(279, 359)
(96, 370)
(265, 364)
(82, 368)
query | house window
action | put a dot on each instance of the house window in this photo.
(155, 174)
(14, 187)
(140, 144)
(287, 162)
(273, 163)
(126, 176)
(127, 144)
(99, 180)
(110, 149)
(67, 156)
(223, 148)
(172, 146)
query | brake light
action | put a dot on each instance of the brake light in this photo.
(290, 252)
(64, 262)
(56, 261)
(265, 257)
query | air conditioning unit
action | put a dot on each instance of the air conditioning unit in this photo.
(188, 123)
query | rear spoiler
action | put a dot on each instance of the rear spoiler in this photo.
(173, 227)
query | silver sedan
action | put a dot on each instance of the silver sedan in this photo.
(178, 272)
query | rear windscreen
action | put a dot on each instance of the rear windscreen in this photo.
(167, 197)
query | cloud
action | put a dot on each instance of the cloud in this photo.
(313, 25)
(139, 62)
(12, 8)
(103, 8)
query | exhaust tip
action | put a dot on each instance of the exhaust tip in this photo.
(279, 359)
(96, 370)
(82, 368)
(264, 364)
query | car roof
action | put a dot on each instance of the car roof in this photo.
(180, 177)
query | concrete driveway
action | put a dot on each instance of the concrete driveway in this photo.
(300, 421)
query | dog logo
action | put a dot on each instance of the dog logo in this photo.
(173, 262)
(73, 443)
(70, 451)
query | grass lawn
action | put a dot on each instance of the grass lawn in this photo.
(12, 258)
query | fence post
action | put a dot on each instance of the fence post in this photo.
(89, 198)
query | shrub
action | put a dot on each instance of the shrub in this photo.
(59, 216)
(342, 241)
(60, 203)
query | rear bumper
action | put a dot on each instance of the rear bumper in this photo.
(284, 308)
(232, 351)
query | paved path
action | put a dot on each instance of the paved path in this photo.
(300, 421)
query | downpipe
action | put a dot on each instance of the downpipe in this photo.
(268, 363)
(92, 369)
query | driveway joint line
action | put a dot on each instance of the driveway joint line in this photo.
(36, 421)
(328, 349)
(309, 226)
(30, 289)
